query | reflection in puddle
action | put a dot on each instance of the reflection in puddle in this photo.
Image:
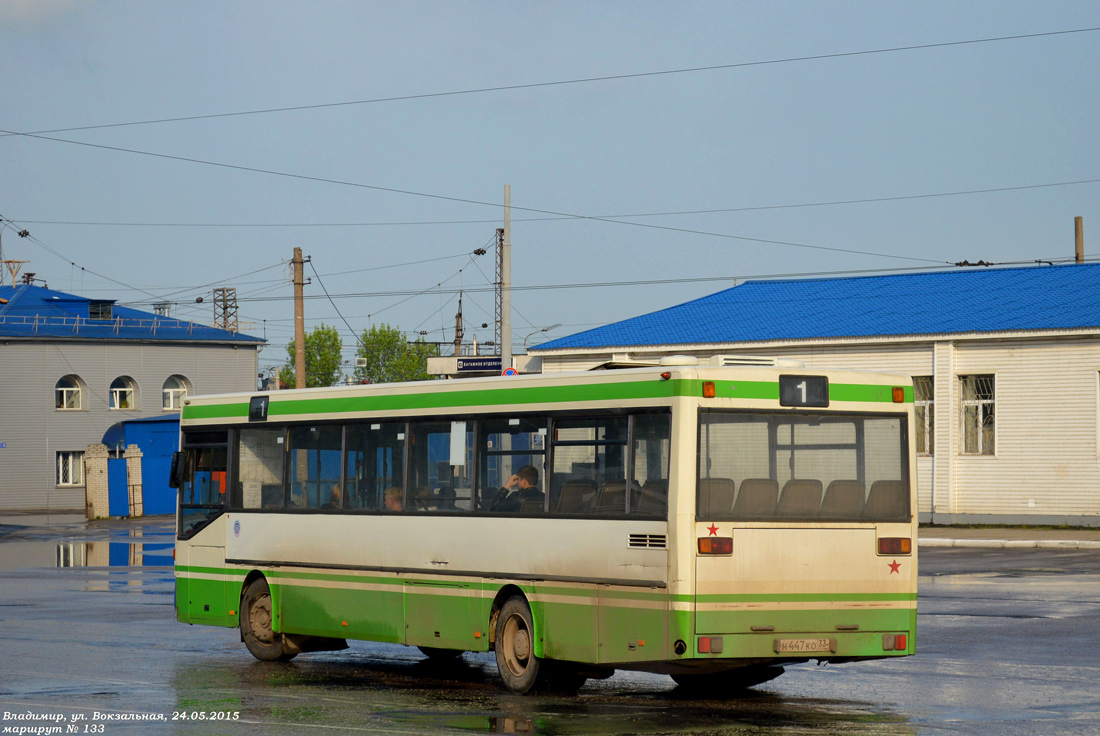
(132, 553)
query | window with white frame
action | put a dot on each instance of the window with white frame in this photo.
(173, 393)
(977, 414)
(924, 402)
(68, 394)
(70, 468)
(123, 393)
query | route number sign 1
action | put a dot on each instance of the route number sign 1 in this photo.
(803, 391)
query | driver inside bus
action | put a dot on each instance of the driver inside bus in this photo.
(520, 491)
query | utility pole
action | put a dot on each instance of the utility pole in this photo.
(13, 268)
(299, 322)
(506, 283)
(1079, 228)
(458, 327)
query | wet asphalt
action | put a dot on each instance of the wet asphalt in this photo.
(1007, 643)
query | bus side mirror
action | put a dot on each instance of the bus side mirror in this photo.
(174, 479)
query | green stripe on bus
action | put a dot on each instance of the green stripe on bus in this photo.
(234, 571)
(837, 391)
(651, 389)
(634, 390)
(802, 597)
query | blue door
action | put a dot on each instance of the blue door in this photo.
(118, 497)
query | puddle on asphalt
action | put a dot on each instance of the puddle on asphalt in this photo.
(114, 554)
(118, 548)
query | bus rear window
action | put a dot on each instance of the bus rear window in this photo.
(819, 467)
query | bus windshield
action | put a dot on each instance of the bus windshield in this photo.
(810, 467)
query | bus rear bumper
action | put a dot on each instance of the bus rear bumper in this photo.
(829, 646)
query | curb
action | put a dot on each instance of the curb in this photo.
(1010, 543)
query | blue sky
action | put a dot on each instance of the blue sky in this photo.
(979, 116)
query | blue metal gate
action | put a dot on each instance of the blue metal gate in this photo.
(118, 497)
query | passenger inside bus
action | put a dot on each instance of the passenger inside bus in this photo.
(423, 499)
(520, 492)
(393, 498)
(333, 499)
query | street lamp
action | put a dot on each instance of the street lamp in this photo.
(544, 329)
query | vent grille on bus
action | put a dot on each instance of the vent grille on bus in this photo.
(751, 360)
(647, 541)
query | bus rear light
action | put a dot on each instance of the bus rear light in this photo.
(895, 546)
(708, 389)
(716, 545)
(899, 395)
(710, 645)
(666, 375)
(895, 642)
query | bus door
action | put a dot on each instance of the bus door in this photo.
(201, 594)
(791, 512)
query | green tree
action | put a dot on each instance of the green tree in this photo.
(323, 364)
(391, 357)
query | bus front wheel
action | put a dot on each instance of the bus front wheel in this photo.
(515, 646)
(256, 630)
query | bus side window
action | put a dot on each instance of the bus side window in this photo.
(650, 461)
(259, 469)
(508, 445)
(589, 472)
(440, 466)
(314, 455)
(375, 462)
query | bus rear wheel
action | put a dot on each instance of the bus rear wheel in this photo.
(515, 646)
(255, 621)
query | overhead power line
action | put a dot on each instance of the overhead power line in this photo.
(564, 82)
(481, 203)
(670, 213)
(437, 289)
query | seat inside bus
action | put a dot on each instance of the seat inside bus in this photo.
(574, 497)
(800, 498)
(887, 500)
(716, 496)
(757, 497)
(843, 499)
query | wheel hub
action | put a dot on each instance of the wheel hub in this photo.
(259, 619)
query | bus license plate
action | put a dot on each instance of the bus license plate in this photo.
(805, 645)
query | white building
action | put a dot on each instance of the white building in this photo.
(1006, 364)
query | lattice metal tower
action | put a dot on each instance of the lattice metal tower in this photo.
(225, 309)
(499, 284)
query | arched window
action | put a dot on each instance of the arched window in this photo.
(68, 395)
(123, 393)
(173, 393)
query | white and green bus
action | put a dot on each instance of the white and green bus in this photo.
(706, 520)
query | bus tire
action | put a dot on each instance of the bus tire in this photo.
(256, 630)
(515, 647)
(441, 655)
(741, 678)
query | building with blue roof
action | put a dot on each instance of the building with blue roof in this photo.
(71, 367)
(1005, 361)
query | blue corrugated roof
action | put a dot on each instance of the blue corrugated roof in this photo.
(32, 311)
(987, 300)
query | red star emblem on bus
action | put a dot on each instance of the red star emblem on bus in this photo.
(894, 567)
(713, 530)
